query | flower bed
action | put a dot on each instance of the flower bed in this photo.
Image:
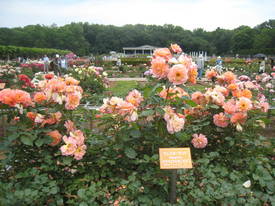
(52, 160)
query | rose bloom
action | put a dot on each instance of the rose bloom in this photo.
(215, 97)
(134, 97)
(233, 87)
(229, 77)
(230, 107)
(176, 48)
(110, 105)
(54, 118)
(71, 81)
(159, 68)
(14, 97)
(72, 101)
(238, 118)
(199, 98)
(246, 93)
(221, 89)
(39, 97)
(264, 106)
(80, 152)
(249, 85)
(175, 124)
(70, 146)
(132, 117)
(244, 104)
(49, 76)
(185, 60)
(269, 85)
(56, 137)
(193, 73)
(199, 141)
(78, 136)
(55, 85)
(70, 126)
(211, 74)
(221, 120)
(124, 108)
(74, 89)
(178, 74)
(163, 52)
(244, 78)
(237, 93)
(31, 115)
(169, 113)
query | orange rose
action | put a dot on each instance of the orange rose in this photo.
(56, 137)
(39, 97)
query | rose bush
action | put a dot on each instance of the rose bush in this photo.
(42, 141)
(220, 124)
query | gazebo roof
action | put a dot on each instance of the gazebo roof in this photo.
(144, 47)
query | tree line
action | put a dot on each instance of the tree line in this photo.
(86, 38)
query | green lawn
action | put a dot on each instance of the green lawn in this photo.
(121, 88)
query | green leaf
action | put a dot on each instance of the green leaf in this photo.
(39, 142)
(53, 190)
(147, 112)
(130, 153)
(27, 140)
(135, 133)
(213, 106)
(81, 193)
(190, 102)
(160, 110)
(67, 161)
(182, 136)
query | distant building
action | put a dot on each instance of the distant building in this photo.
(145, 49)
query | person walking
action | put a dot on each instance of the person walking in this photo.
(262, 67)
(219, 65)
(46, 61)
(63, 63)
(200, 63)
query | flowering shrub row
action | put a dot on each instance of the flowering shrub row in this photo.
(232, 98)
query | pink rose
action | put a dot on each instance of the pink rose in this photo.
(221, 120)
(178, 74)
(199, 141)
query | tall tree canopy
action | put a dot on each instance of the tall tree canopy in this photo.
(85, 38)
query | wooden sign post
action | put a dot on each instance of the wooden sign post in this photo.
(173, 159)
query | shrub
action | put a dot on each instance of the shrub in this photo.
(15, 51)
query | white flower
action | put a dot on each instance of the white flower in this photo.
(247, 184)
(239, 128)
(105, 74)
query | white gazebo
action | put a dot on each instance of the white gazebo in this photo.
(145, 49)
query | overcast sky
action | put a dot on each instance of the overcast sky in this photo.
(190, 14)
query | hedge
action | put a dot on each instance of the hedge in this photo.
(15, 51)
(135, 61)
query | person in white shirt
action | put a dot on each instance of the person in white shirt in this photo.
(262, 67)
(63, 63)
(46, 61)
